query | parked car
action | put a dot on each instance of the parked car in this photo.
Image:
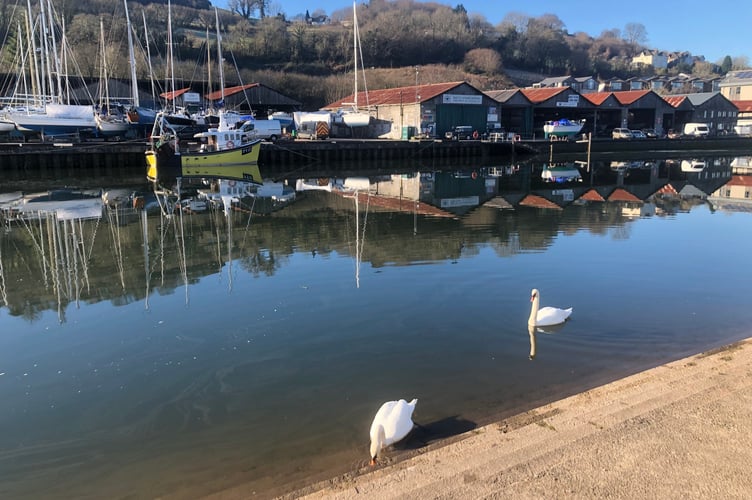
(621, 133)
(673, 134)
(650, 133)
(638, 134)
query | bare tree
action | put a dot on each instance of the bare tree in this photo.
(635, 34)
(246, 8)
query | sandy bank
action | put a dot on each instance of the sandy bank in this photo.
(683, 429)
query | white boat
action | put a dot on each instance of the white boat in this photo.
(563, 128)
(356, 117)
(692, 165)
(561, 174)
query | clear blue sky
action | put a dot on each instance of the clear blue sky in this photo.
(713, 28)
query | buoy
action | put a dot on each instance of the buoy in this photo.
(230, 144)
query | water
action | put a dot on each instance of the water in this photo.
(252, 353)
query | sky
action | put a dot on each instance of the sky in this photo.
(713, 29)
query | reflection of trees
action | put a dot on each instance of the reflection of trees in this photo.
(317, 223)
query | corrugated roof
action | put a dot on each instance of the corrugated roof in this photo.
(743, 106)
(597, 98)
(675, 100)
(172, 95)
(396, 96)
(740, 180)
(592, 195)
(536, 201)
(503, 96)
(230, 91)
(537, 96)
(622, 195)
(630, 96)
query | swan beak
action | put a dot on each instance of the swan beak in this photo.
(372, 462)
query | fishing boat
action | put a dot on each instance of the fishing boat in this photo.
(563, 129)
(226, 152)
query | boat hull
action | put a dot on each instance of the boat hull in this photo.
(241, 163)
(562, 128)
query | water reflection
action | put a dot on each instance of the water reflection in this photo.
(140, 337)
(63, 230)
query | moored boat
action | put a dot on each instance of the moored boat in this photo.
(563, 128)
(226, 154)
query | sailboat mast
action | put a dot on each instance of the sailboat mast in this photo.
(355, 50)
(219, 59)
(208, 65)
(58, 65)
(131, 58)
(148, 58)
(171, 65)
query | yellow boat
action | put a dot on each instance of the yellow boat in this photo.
(227, 154)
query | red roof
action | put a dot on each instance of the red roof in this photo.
(630, 96)
(744, 106)
(740, 180)
(537, 96)
(597, 98)
(668, 189)
(172, 95)
(592, 195)
(622, 195)
(230, 91)
(396, 96)
(675, 100)
(536, 201)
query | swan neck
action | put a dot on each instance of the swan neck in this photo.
(534, 311)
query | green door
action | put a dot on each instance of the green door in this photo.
(452, 115)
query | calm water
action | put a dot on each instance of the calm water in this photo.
(145, 356)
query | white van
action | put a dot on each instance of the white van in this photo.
(696, 129)
(270, 130)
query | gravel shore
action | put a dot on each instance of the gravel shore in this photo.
(681, 430)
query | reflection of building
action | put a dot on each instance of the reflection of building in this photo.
(735, 195)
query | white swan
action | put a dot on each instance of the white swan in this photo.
(545, 316)
(392, 422)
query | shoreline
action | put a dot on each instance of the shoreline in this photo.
(659, 432)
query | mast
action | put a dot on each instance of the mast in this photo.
(148, 58)
(219, 57)
(131, 58)
(171, 65)
(355, 50)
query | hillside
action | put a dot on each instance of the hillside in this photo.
(313, 63)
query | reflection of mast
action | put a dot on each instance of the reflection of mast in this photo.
(147, 274)
(358, 239)
(3, 289)
(117, 247)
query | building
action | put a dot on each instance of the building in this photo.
(707, 107)
(737, 85)
(654, 58)
(430, 109)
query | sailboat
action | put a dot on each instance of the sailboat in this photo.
(110, 123)
(355, 117)
(50, 114)
(228, 152)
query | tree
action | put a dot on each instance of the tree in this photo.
(726, 65)
(635, 34)
(246, 8)
(483, 61)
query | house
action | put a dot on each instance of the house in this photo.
(612, 85)
(654, 58)
(580, 84)
(737, 85)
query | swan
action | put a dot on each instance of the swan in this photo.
(392, 422)
(545, 316)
